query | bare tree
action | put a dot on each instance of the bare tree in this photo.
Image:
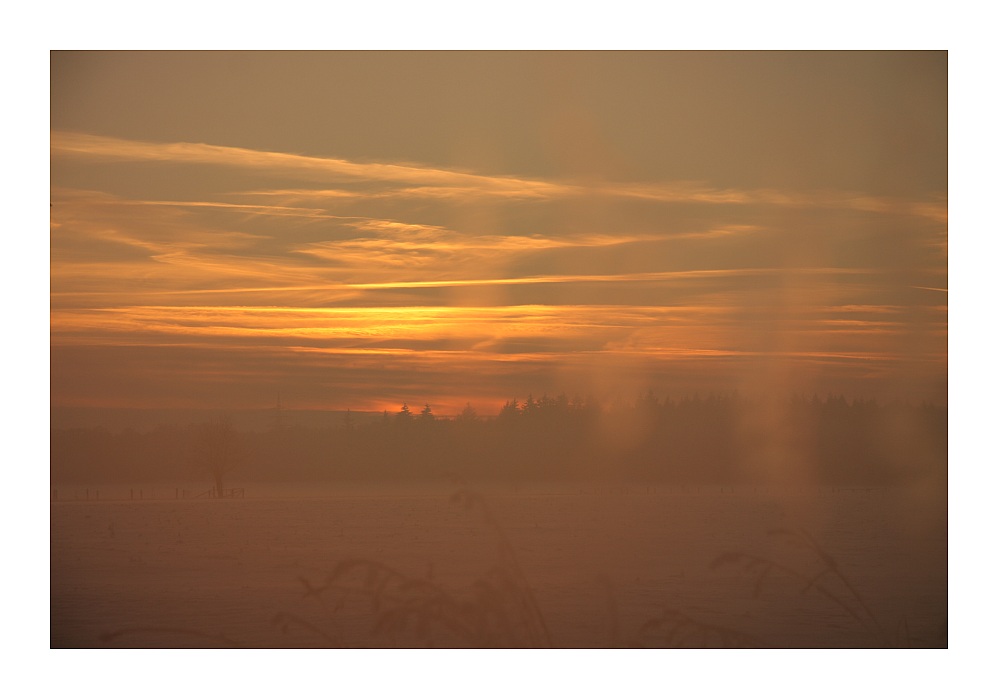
(218, 451)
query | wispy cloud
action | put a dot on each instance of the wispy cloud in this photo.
(256, 209)
(106, 148)
(416, 352)
(306, 265)
(602, 278)
(666, 193)
(647, 330)
(418, 181)
(418, 246)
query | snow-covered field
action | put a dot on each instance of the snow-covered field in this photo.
(600, 564)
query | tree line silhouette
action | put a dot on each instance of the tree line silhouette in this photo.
(722, 439)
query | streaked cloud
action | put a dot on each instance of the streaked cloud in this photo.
(437, 183)
(77, 145)
(367, 277)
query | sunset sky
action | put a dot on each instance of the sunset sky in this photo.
(359, 229)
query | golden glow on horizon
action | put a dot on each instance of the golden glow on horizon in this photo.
(492, 331)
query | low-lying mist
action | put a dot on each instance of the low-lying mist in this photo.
(712, 440)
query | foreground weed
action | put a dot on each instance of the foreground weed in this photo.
(827, 580)
(673, 629)
(499, 609)
(219, 640)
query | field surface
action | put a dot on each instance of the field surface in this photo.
(559, 566)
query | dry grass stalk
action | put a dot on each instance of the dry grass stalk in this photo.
(828, 580)
(497, 611)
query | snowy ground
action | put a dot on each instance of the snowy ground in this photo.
(600, 564)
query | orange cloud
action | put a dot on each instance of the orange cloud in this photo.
(380, 272)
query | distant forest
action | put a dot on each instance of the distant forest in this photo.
(722, 439)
